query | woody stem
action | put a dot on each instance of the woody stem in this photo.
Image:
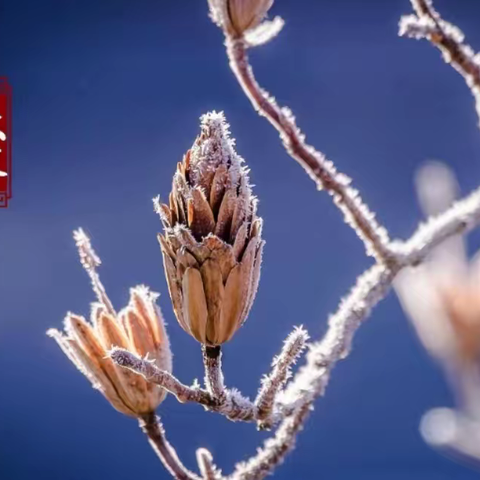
(212, 360)
(153, 428)
(318, 167)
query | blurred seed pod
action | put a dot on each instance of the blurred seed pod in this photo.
(442, 296)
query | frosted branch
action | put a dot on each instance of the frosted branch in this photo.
(212, 361)
(449, 39)
(322, 171)
(90, 261)
(312, 379)
(274, 449)
(207, 468)
(232, 405)
(272, 383)
(153, 374)
(461, 217)
(153, 428)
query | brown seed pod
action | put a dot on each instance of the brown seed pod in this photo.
(236, 17)
(212, 245)
(138, 328)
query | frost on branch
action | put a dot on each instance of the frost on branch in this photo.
(206, 466)
(271, 384)
(274, 449)
(322, 171)
(427, 23)
(90, 261)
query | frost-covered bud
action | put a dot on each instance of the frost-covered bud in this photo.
(212, 243)
(236, 17)
(139, 328)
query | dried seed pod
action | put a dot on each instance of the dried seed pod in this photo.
(461, 302)
(442, 295)
(236, 17)
(139, 328)
(212, 245)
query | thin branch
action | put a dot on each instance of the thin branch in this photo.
(321, 170)
(90, 261)
(449, 39)
(271, 384)
(312, 379)
(461, 217)
(212, 361)
(153, 428)
(153, 374)
(232, 405)
(274, 449)
(207, 468)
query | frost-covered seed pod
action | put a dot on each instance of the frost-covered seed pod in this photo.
(139, 328)
(236, 17)
(212, 245)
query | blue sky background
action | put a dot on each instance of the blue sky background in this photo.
(107, 99)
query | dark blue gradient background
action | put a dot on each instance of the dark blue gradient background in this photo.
(107, 99)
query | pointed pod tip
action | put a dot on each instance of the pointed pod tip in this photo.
(53, 333)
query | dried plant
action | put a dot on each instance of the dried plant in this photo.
(442, 298)
(212, 248)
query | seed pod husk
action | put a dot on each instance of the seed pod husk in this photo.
(212, 244)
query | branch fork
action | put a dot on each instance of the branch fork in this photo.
(215, 397)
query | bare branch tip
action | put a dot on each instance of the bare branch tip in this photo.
(206, 466)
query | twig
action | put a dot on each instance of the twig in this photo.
(271, 384)
(274, 450)
(212, 361)
(232, 405)
(321, 170)
(461, 217)
(449, 39)
(153, 374)
(207, 468)
(153, 428)
(90, 261)
(312, 379)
